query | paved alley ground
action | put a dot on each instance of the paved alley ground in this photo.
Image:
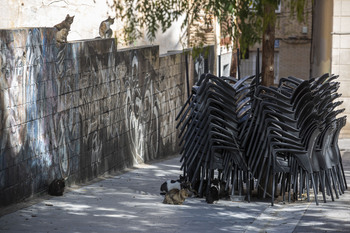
(131, 202)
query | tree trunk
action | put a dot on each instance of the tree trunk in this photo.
(268, 43)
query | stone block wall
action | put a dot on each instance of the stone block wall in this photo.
(82, 109)
(341, 55)
(294, 59)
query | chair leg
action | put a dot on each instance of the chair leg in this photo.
(301, 183)
(248, 186)
(307, 180)
(234, 180)
(322, 184)
(336, 178)
(289, 186)
(316, 184)
(342, 171)
(334, 183)
(266, 181)
(283, 187)
(329, 184)
(239, 182)
(340, 178)
(273, 187)
(295, 188)
(314, 187)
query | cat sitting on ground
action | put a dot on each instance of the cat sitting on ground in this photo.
(105, 30)
(217, 191)
(212, 195)
(175, 196)
(63, 29)
(56, 188)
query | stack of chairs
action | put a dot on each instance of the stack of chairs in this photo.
(284, 133)
(326, 159)
(209, 124)
(270, 138)
(287, 141)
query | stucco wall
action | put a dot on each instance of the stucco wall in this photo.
(88, 16)
(47, 13)
(82, 109)
(341, 54)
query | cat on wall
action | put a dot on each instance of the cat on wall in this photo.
(61, 36)
(105, 30)
(63, 29)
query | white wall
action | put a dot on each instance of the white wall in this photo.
(341, 54)
(47, 13)
(172, 39)
(88, 16)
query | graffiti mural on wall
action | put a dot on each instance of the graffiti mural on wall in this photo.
(22, 77)
(169, 111)
(142, 112)
(34, 129)
(78, 110)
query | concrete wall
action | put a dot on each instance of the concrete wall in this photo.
(82, 109)
(341, 54)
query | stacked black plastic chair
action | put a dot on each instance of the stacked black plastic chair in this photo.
(285, 126)
(327, 164)
(285, 136)
(209, 126)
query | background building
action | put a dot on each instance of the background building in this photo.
(340, 53)
(293, 41)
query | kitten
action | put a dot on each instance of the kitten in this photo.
(214, 192)
(65, 23)
(213, 195)
(56, 187)
(105, 30)
(61, 36)
(63, 29)
(175, 197)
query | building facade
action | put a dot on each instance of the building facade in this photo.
(293, 41)
(340, 59)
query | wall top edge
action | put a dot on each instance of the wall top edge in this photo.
(138, 47)
(174, 52)
(90, 40)
(25, 28)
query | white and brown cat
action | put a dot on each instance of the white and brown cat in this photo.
(105, 28)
